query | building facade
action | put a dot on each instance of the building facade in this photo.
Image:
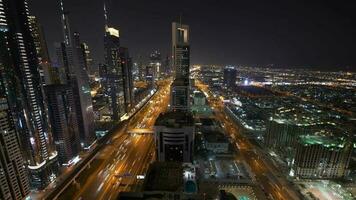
(46, 71)
(63, 121)
(180, 49)
(114, 76)
(181, 61)
(14, 183)
(322, 157)
(28, 108)
(230, 74)
(71, 59)
(174, 137)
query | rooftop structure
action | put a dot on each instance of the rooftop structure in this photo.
(175, 119)
(164, 176)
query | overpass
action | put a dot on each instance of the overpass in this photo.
(64, 182)
(140, 131)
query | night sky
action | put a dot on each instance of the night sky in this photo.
(288, 33)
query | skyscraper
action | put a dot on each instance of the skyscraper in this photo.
(166, 70)
(89, 65)
(45, 69)
(25, 91)
(126, 67)
(69, 54)
(180, 49)
(114, 76)
(13, 177)
(14, 182)
(230, 76)
(119, 82)
(84, 104)
(63, 121)
(156, 63)
(181, 62)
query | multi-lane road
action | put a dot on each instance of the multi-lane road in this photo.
(120, 165)
(266, 174)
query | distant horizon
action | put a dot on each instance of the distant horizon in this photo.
(317, 33)
(297, 67)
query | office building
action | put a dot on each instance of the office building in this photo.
(70, 57)
(180, 95)
(63, 120)
(45, 68)
(156, 64)
(89, 66)
(119, 80)
(126, 67)
(180, 49)
(282, 134)
(174, 136)
(150, 75)
(141, 68)
(230, 74)
(14, 183)
(321, 156)
(181, 61)
(114, 77)
(24, 87)
(84, 102)
(212, 75)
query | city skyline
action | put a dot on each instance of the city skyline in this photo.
(161, 126)
(256, 33)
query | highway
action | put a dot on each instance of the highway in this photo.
(268, 177)
(125, 157)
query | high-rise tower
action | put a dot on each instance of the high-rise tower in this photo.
(70, 57)
(180, 49)
(118, 78)
(13, 179)
(25, 93)
(63, 120)
(46, 71)
(181, 62)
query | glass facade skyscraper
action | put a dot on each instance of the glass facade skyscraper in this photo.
(70, 57)
(181, 62)
(26, 101)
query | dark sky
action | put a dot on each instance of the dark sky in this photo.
(287, 32)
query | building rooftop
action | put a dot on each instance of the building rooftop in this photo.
(215, 136)
(175, 119)
(180, 82)
(326, 141)
(207, 121)
(164, 176)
